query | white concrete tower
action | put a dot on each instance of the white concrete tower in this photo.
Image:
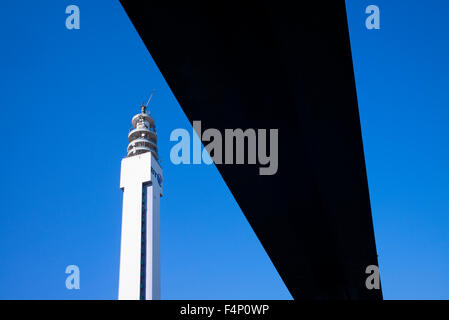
(141, 182)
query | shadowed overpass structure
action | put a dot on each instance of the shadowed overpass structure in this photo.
(270, 64)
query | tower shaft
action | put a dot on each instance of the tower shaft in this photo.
(140, 239)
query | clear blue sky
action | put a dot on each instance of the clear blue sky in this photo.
(67, 98)
(402, 78)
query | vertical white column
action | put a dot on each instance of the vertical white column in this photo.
(152, 246)
(138, 172)
(153, 270)
(129, 282)
(135, 172)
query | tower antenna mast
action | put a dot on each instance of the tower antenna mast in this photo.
(144, 107)
(151, 96)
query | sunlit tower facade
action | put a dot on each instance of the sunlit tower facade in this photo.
(141, 183)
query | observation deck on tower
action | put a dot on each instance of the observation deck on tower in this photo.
(142, 136)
